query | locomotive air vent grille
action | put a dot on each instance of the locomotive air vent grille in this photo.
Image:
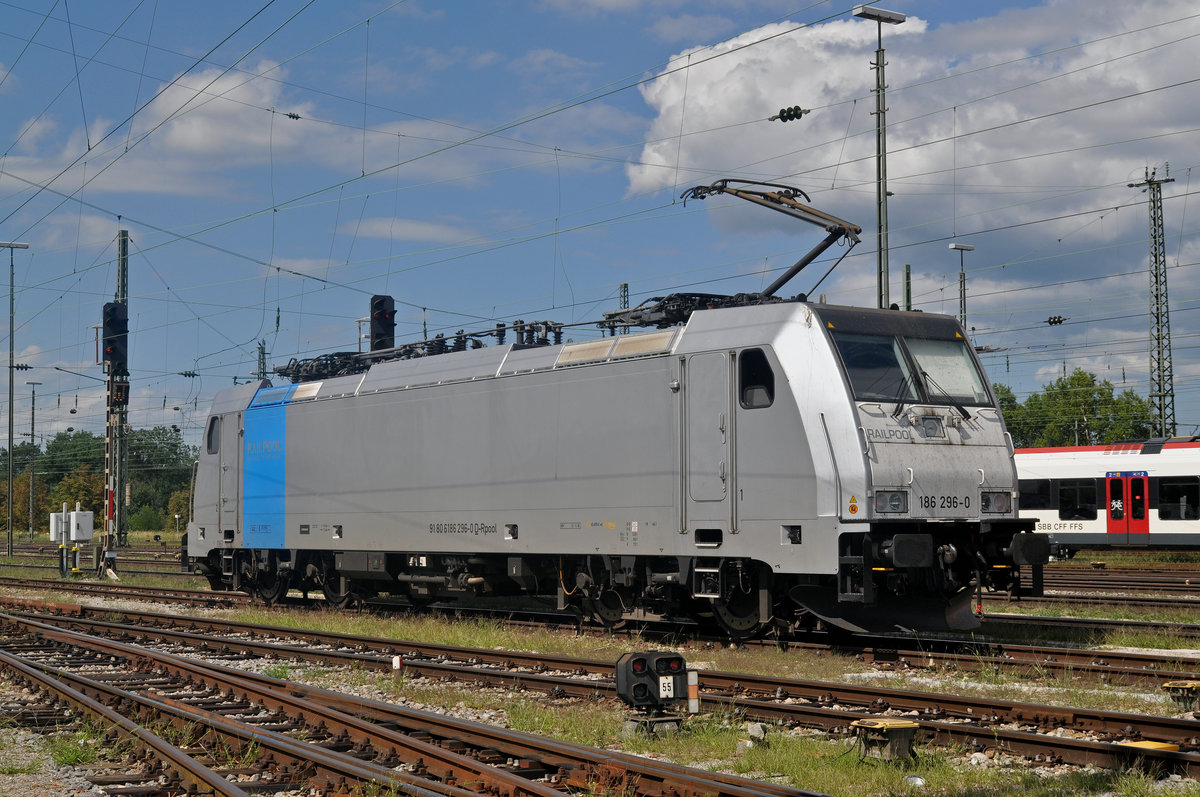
(610, 348)
(307, 390)
(585, 352)
(651, 343)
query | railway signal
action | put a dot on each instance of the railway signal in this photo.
(115, 340)
(383, 322)
(649, 681)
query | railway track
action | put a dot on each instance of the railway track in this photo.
(1112, 667)
(302, 737)
(894, 652)
(1047, 733)
(200, 597)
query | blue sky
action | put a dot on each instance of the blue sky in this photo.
(277, 163)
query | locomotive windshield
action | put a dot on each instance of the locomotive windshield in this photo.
(904, 369)
(877, 367)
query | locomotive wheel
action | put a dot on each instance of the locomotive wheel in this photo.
(608, 609)
(335, 598)
(607, 606)
(737, 611)
(272, 587)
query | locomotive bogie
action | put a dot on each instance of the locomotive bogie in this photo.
(755, 466)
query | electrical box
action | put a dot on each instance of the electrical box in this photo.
(81, 526)
(58, 520)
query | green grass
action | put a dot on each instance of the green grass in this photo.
(76, 747)
(281, 671)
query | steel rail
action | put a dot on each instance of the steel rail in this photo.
(187, 769)
(383, 653)
(584, 767)
(1114, 666)
(335, 768)
(876, 700)
(130, 591)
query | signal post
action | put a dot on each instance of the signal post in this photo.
(114, 350)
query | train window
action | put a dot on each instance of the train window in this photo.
(212, 438)
(876, 366)
(756, 380)
(1137, 498)
(1179, 498)
(1077, 499)
(1035, 494)
(1116, 499)
(948, 366)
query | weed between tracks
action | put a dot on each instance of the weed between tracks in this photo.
(76, 747)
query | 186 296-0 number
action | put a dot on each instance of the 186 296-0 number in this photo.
(945, 502)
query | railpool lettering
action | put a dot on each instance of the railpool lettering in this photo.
(889, 434)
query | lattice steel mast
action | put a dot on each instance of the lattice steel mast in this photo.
(1162, 379)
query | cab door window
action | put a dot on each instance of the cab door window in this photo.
(756, 380)
(212, 438)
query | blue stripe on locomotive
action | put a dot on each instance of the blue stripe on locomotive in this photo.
(264, 469)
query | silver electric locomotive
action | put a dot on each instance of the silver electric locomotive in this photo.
(764, 462)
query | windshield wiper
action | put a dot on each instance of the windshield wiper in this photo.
(958, 406)
(900, 400)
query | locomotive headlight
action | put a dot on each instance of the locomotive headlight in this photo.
(995, 502)
(892, 501)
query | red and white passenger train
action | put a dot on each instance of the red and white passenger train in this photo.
(1144, 494)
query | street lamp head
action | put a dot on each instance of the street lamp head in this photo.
(13, 245)
(879, 14)
(963, 247)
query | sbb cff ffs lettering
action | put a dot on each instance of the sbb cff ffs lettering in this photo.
(651, 680)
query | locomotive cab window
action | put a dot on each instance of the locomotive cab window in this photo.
(1077, 499)
(1179, 498)
(212, 438)
(949, 371)
(877, 367)
(756, 380)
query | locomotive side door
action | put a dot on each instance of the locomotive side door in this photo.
(231, 473)
(1128, 517)
(707, 443)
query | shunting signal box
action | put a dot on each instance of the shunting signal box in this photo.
(652, 680)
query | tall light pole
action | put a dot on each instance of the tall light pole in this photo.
(892, 18)
(33, 455)
(10, 246)
(962, 282)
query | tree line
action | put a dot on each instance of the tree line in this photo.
(1076, 410)
(71, 469)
